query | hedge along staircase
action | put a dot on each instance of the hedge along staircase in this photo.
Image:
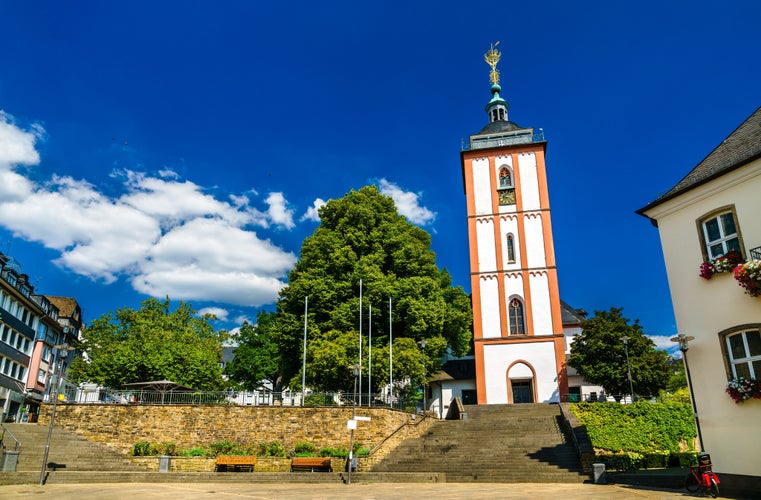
(495, 443)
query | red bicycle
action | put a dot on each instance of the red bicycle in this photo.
(702, 478)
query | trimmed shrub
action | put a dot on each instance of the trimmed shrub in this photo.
(273, 449)
(144, 449)
(340, 452)
(304, 449)
(196, 451)
(225, 448)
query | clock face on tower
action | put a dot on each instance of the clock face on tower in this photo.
(506, 196)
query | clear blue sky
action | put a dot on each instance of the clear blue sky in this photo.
(176, 148)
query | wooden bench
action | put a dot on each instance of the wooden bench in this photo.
(311, 464)
(235, 463)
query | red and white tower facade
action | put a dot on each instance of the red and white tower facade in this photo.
(518, 328)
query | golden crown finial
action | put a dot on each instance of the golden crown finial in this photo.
(492, 58)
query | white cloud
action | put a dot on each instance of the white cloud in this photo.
(278, 210)
(166, 235)
(407, 203)
(663, 342)
(218, 312)
(17, 146)
(312, 212)
(172, 202)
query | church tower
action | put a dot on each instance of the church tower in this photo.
(517, 323)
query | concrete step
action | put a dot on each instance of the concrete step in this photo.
(515, 443)
(61, 477)
(66, 448)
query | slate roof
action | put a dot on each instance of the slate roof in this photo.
(499, 126)
(457, 369)
(570, 315)
(740, 148)
(67, 306)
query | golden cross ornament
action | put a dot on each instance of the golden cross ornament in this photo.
(492, 58)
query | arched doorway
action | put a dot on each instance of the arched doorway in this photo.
(520, 383)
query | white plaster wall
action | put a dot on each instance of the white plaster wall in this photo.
(449, 389)
(498, 163)
(540, 303)
(529, 181)
(532, 224)
(482, 189)
(703, 308)
(513, 285)
(541, 355)
(487, 250)
(490, 306)
(570, 334)
(509, 225)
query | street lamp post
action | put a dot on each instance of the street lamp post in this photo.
(353, 423)
(425, 377)
(625, 339)
(683, 341)
(63, 352)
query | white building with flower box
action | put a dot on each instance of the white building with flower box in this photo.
(714, 210)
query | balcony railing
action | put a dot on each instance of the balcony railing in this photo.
(236, 398)
(755, 253)
(503, 140)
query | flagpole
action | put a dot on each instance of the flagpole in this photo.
(360, 342)
(390, 354)
(370, 357)
(304, 354)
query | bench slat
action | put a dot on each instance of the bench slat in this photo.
(311, 464)
(237, 463)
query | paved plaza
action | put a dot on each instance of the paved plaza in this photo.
(380, 491)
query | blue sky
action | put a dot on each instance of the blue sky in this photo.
(180, 148)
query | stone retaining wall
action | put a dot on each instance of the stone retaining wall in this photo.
(121, 426)
(202, 464)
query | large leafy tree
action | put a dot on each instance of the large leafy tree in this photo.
(599, 355)
(362, 237)
(151, 343)
(256, 357)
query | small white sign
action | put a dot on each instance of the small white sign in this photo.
(365, 419)
(351, 424)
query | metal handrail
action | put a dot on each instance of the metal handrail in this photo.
(17, 446)
(755, 253)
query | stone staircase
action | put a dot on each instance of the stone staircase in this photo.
(495, 443)
(67, 449)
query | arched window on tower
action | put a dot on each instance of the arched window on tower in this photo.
(510, 249)
(505, 179)
(517, 320)
(506, 190)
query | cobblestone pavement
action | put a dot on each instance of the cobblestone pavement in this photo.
(380, 491)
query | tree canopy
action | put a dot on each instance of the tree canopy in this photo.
(362, 237)
(599, 355)
(151, 343)
(256, 357)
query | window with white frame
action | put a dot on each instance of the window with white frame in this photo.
(744, 353)
(720, 234)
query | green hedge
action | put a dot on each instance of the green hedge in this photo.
(640, 435)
